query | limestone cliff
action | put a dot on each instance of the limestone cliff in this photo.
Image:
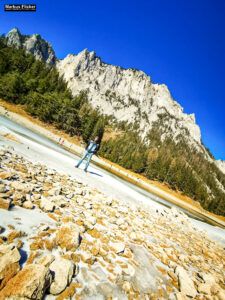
(34, 44)
(127, 94)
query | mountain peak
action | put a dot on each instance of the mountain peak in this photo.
(34, 44)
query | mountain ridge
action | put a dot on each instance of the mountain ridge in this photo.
(85, 96)
(74, 67)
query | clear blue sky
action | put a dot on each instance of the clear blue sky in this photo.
(179, 43)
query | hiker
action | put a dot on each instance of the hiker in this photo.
(91, 148)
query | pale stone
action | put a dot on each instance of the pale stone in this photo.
(28, 204)
(30, 283)
(204, 288)
(20, 186)
(55, 191)
(2, 188)
(68, 236)
(44, 228)
(9, 261)
(185, 283)
(118, 247)
(181, 296)
(63, 271)
(4, 203)
(88, 258)
(46, 205)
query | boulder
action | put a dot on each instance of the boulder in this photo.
(47, 205)
(2, 188)
(6, 175)
(118, 247)
(18, 186)
(68, 237)
(9, 260)
(5, 203)
(30, 283)
(63, 271)
(54, 191)
(88, 258)
(58, 200)
(185, 283)
(28, 204)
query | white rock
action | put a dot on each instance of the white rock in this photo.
(118, 247)
(30, 283)
(9, 258)
(46, 205)
(185, 283)
(28, 204)
(63, 271)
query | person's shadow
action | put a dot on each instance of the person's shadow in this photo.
(96, 174)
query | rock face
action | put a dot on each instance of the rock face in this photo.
(34, 44)
(29, 283)
(63, 271)
(127, 94)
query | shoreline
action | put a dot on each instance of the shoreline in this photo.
(74, 146)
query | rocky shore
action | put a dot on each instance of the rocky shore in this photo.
(47, 132)
(62, 239)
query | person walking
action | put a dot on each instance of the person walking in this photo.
(91, 148)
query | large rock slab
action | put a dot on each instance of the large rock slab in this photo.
(9, 260)
(68, 236)
(29, 283)
(63, 271)
(185, 283)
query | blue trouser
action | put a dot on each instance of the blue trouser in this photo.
(89, 156)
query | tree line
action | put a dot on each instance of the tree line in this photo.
(181, 166)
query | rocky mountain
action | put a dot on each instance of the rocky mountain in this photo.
(168, 146)
(127, 94)
(34, 44)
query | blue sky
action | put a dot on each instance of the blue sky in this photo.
(179, 43)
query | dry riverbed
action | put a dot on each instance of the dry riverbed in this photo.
(62, 239)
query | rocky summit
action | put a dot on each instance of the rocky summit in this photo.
(127, 94)
(61, 239)
(34, 44)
